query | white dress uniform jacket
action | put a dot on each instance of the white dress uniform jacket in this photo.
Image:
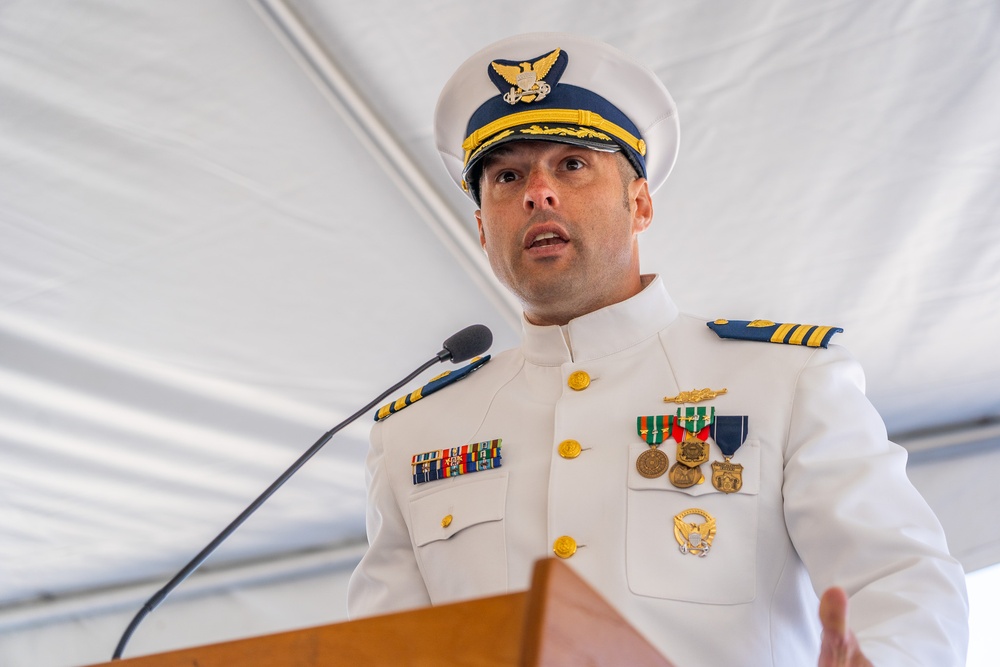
(825, 499)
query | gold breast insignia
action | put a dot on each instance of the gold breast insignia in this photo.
(695, 395)
(694, 538)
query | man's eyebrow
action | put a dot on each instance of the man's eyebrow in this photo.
(498, 152)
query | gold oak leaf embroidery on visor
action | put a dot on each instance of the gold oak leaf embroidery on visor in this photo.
(579, 133)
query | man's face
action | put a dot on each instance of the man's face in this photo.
(559, 224)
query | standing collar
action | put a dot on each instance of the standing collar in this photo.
(602, 332)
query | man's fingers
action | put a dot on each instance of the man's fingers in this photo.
(839, 648)
(833, 611)
(833, 617)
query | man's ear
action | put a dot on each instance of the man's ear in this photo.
(482, 233)
(641, 204)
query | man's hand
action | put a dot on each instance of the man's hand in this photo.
(840, 647)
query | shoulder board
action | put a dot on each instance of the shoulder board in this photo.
(767, 331)
(437, 382)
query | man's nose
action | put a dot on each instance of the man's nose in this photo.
(539, 191)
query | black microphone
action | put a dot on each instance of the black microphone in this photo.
(467, 343)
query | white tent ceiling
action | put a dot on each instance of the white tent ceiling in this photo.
(212, 249)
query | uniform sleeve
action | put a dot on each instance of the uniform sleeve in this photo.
(857, 522)
(387, 579)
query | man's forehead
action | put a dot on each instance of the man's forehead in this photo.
(535, 149)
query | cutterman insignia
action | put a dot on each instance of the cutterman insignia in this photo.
(438, 382)
(809, 335)
(695, 395)
(527, 79)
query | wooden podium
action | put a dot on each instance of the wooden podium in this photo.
(560, 621)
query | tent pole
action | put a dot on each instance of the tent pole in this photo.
(355, 111)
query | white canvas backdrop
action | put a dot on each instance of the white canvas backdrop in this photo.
(202, 267)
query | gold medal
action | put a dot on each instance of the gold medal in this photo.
(694, 538)
(691, 451)
(652, 463)
(683, 476)
(727, 477)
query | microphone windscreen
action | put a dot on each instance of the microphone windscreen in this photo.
(471, 341)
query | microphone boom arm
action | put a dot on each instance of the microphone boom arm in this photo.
(188, 569)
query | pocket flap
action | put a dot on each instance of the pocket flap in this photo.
(456, 505)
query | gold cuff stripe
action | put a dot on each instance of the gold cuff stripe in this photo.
(779, 334)
(816, 339)
(569, 116)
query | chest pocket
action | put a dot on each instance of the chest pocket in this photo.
(457, 530)
(656, 566)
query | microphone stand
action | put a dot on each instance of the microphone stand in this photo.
(188, 569)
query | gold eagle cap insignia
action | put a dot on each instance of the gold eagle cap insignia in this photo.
(527, 79)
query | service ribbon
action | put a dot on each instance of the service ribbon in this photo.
(456, 461)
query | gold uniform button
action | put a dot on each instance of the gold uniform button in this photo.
(564, 546)
(569, 449)
(445, 522)
(578, 380)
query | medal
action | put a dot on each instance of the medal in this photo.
(683, 476)
(727, 477)
(729, 434)
(694, 538)
(651, 463)
(692, 451)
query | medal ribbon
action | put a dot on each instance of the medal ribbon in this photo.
(730, 432)
(675, 428)
(650, 428)
(696, 419)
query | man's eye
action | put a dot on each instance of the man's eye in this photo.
(505, 176)
(572, 164)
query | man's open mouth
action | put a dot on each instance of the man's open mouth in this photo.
(546, 238)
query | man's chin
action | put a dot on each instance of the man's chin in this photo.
(553, 302)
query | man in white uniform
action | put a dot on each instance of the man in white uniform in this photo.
(708, 478)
